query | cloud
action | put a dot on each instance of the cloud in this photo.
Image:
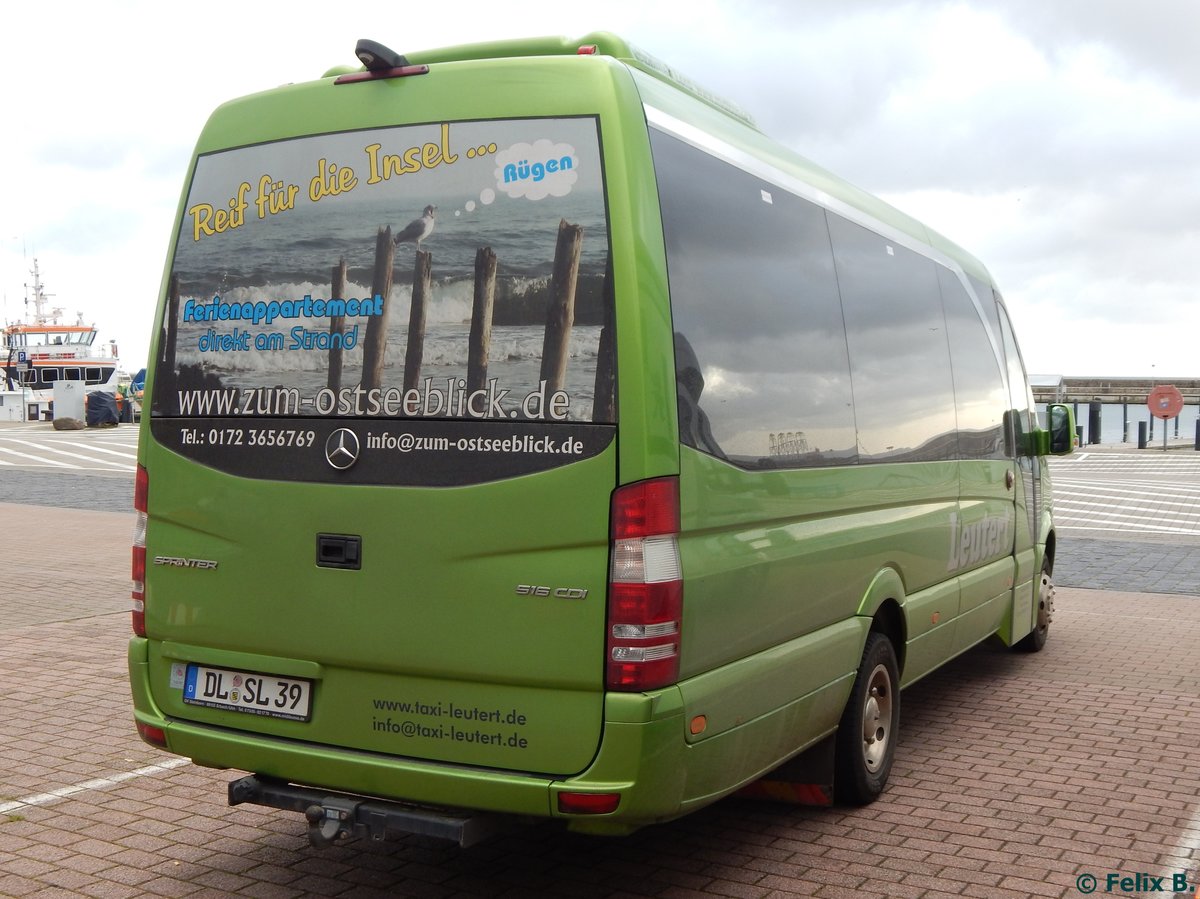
(1158, 38)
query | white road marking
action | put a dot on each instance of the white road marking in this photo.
(62, 452)
(100, 783)
(129, 453)
(96, 452)
(13, 452)
(1138, 494)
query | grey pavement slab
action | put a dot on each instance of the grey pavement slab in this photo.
(67, 489)
(1133, 565)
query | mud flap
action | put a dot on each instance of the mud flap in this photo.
(806, 779)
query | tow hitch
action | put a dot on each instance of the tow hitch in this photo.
(334, 816)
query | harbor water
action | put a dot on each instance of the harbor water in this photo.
(1119, 422)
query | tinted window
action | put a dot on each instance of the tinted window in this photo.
(899, 359)
(987, 299)
(1024, 417)
(431, 303)
(980, 399)
(760, 351)
(290, 300)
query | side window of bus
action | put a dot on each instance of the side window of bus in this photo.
(980, 397)
(761, 364)
(899, 356)
(987, 298)
(1018, 389)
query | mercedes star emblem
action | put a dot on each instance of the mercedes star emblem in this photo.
(341, 449)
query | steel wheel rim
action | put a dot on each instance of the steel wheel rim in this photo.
(1045, 602)
(877, 718)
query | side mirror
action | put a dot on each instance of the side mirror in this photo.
(1062, 430)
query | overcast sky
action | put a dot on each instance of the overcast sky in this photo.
(1057, 140)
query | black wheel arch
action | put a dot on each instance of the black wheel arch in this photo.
(889, 621)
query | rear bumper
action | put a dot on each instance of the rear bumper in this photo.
(640, 756)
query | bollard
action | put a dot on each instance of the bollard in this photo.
(1093, 423)
(1198, 434)
(1142, 439)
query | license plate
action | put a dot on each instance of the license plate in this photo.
(242, 691)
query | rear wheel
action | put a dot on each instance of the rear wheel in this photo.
(1036, 639)
(866, 736)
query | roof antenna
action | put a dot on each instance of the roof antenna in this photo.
(378, 58)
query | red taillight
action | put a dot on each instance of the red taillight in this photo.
(645, 590)
(646, 509)
(141, 493)
(155, 736)
(588, 803)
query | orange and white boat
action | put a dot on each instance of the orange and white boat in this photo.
(43, 350)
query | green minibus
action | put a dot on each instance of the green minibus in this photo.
(527, 435)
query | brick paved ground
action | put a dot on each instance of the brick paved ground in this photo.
(1016, 774)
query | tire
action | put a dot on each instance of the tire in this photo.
(867, 733)
(1036, 638)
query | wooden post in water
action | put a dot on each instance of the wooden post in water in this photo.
(604, 404)
(422, 280)
(166, 349)
(560, 311)
(481, 319)
(172, 324)
(337, 325)
(381, 285)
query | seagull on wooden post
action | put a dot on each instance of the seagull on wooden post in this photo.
(418, 229)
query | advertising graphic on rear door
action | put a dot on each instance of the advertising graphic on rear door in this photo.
(422, 304)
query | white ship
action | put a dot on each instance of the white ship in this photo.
(43, 350)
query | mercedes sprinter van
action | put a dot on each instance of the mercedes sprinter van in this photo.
(527, 434)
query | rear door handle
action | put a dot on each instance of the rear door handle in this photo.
(339, 551)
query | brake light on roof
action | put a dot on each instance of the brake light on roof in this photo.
(141, 491)
(398, 72)
(380, 62)
(645, 589)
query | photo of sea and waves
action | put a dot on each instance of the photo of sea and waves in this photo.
(290, 255)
